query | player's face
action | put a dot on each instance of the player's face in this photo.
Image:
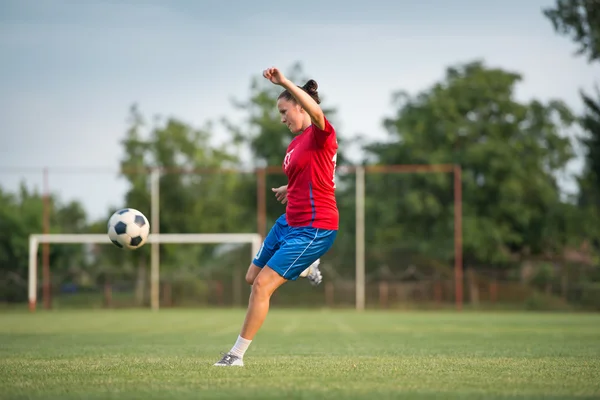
(291, 115)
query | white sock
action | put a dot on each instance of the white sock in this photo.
(240, 347)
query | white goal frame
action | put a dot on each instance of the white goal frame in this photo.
(157, 238)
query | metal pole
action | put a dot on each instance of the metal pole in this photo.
(360, 238)
(155, 228)
(47, 288)
(458, 255)
(33, 250)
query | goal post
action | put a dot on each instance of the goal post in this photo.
(254, 239)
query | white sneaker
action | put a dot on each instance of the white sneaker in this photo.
(229, 360)
(313, 273)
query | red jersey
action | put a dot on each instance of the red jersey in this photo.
(309, 164)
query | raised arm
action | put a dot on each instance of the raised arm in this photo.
(309, 105)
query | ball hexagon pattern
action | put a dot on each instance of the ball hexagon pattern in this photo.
(128, 228)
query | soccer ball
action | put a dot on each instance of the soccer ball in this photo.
(128, 228)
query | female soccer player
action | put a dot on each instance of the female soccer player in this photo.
(309, 226)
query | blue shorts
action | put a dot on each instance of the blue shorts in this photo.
(289, 250)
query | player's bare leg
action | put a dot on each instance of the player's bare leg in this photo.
(263, 288)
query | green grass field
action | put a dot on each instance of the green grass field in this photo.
(299, 355)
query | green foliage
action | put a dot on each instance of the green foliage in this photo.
(589, 181)
(579, 19)
(20, 216)
(510, 154)
(192, 188)
(590, 122)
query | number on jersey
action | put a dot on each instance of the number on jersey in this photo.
(334, 161)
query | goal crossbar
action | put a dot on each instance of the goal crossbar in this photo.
(35, 240)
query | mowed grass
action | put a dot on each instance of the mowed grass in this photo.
(299, 354)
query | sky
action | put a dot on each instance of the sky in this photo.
(71, 70)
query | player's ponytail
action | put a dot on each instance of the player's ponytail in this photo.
(309, 87)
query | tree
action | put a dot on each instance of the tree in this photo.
(591, 123)
(190, 201)
(579, 19)
(510, 153)
(20, 216)
(589, 181)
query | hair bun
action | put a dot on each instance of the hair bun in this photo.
(311, 86)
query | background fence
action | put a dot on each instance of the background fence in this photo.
(400, 243)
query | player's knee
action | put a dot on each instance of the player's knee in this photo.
(261, 286)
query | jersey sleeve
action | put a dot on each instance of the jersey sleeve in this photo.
(321, 135)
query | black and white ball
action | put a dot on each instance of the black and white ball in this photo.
(128, 228)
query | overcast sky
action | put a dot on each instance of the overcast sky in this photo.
(69, 72)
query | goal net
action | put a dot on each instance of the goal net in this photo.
(154, 240)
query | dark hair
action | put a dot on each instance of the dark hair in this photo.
(309, 87)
